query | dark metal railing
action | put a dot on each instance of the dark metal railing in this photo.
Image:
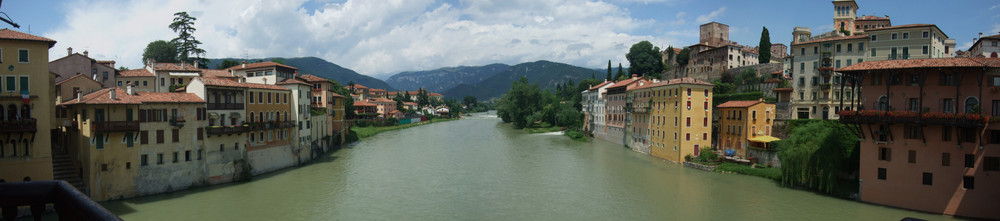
(225, 106)
(226, 130)
(26, 125)
(69, 203)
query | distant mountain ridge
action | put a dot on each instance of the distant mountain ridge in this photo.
(443, 79)
(322, 68)
(546, 74)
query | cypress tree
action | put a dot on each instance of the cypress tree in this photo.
(609, 71)
(764, 49)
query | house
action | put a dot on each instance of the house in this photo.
(594, 100)
(73, 64)
(300, 102)
(140, 79)
(365, 110)
(227, 127)
(740, 122)
(383, 106)
(616, 109)
(27, 107)
(985, 46)
(68, 88)
(272, 128)
(638, 138)
(679, 112)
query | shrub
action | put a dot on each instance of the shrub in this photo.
(707, 155)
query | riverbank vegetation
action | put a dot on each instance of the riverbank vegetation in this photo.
(364, 132)
(765, 172)
(820, 155)
(527, 106)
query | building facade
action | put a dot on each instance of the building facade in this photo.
(987, 47)
(270, 141)
(679, 123)
(616, 111)
(227, 127)
(740, 121)
(74, 64)
(28, 101)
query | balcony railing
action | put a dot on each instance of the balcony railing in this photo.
(224, 130)
(69, 203)
(910, 117)
(13, 126)
(255, 126)
(225, 106)
(114, 126)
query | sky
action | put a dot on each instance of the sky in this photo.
(383, 37)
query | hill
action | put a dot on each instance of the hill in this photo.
(443, 79)
(322, 68)
(546, 74)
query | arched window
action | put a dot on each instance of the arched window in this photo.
(25, 111)
(883, 103)
(971, 105)
(11, 112)
(251, 116)
(26, 145)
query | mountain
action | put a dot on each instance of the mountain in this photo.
(322, 68)
(442, 79)
(546, 74)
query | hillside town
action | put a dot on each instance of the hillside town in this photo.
(898, 85)
(113, 133)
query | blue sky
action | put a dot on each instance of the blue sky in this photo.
(381, 38)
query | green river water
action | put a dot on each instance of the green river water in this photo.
(481, 169)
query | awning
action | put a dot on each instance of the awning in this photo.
(184, 74)
(764, 139)
(213, 115)
(234, 115)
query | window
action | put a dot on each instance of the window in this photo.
(906, 35)
(913, 132)
(947, 80)
(928, 179)
(175, 135)
(948, 105)
(884, 154)
(873, 52)
(704, 122)
(967, 135)
(838, 63)
(861, 46)
(926, 34)
(815, 50)
(945, 133)
(911, 156)
(176, 157)
(991, 163)
(970, 161)
(251, 99)
(687, 136)
(802, 51)
(874, 37)
(689, 122)
(22, 55)
(24, 83)
(838, 48)
(894, 36)
(849, 62)
(923, 50)
(159, 158)
(143, 160)
(945, 159)
(968, 182)
(881, 173)
(971, 105)
(159, 136)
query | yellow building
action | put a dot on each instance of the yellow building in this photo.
(740, 121)
(140, 79)
(27, 96)
(67, 89)
(130, 143)
(324, 97)
(679, 123)
(270, 138)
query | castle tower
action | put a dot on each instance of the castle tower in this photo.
(714, 34)
(844, 14)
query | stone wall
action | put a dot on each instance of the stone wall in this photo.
(765, 157)
(270, 159)
(699, 166)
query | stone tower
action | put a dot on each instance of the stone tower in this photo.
(844, 13)
(714, 34)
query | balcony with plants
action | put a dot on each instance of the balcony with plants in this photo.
(177, 121)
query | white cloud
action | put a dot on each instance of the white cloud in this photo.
(710, 16)
(995, 6)
(371, 37)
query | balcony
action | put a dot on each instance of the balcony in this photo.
(256, 126)
(226, 130)
(225, 106)
(177, 121)
(114, 126)
(16, 126)
(70, 203)
(824, 86)
(910, 117)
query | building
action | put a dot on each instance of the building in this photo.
(365, 110)
(815, 57)
(679, 112)
(616, 111)
(267, 72)
(227, 127)
(300, 97)
(592, 103)
(715, 53)
(928, 141)
(741, 121)
(26, 101)
(129, 143)
(177, 74)
(68, 88)
(985, 46)
(638, 102)
(73, 64)
(383, 106)
(140, 79)
(270, 143)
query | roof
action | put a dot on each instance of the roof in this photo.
(409, 103)
(923, 63)
(8, 34)
(313, 78)
(262, 64)
(910, 26)
(222, 82)
(293, 81)
(356, 86)
(740, 103)
(363, 103)
(336, 95)
(688, 80)
(136, 73)
(871, 17)
(174, 67)
(595, 87)
(102, 97)
(995, 37)
(377, 90)
(432, 94)
(77, 76)
(624, 83)
(381, 100)
(858, 36)
(216, 73)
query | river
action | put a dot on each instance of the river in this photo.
(481, 169)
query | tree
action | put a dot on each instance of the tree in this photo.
(683, 57)
(227, 64)
(160, 51)
(621, 73)
(764, 49)
(470, 101)
(816, 153)
(645, 60)
(670, 53)
(422, 98)
(186, 44)
(609, 72)
(278, 60)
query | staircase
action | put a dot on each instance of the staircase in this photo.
(63, 169)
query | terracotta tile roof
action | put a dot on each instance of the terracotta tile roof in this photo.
(174, 67)
(313, 78)
(293, 81)
(231, 83)
(135, 73)
(859, 36)
(904, 26)
(595, 87)
(75, 77)
(103, 97)
(739, 103)
(871, 17)
(336, 95)
(923, 63)
(409, 103)
(991, 37)
(356, 86)
(649, 85)
(381, 100)
(8, 34)
(262, 64)
(432, 94)
(624, 83)
(377, 90)
(216, 73)
(363, 103)
(777, 72)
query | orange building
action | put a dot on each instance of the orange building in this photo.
(927, 141)
(679, 111)
(269, 116)
(742, 121)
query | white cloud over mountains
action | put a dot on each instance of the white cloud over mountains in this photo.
(371, 37)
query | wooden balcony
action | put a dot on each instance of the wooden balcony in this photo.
(114, 126)
(17, 126)
(225, 106)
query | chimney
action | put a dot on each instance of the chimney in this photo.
(112, 64)
(69, 51)
(112, 94)
(79, 94)
(87, 53)
(183, 64)
(634, 76)
(128, 89)
(980, 35)
(244, 64)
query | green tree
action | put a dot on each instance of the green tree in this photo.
(520, 103)
(670, 53)
(683, 57)
(227, 64)
(470, 101)
(764, 49)
(160, 51)
(278, 60)
(621, 73)
(348, 100)
(185, 41)
(816, 153)
(422, 98)
(609, 72)
(645, 60)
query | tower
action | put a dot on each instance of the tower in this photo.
(800, 34)
(844, 14)
(714, 34)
